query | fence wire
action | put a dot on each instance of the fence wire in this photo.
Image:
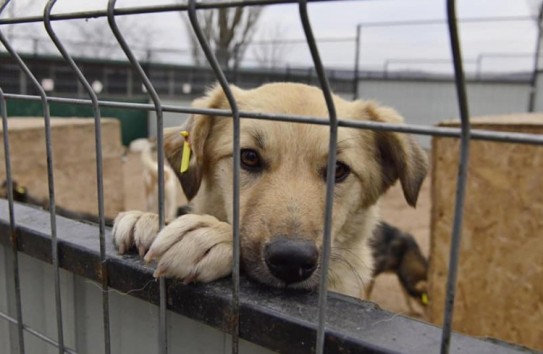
(12, 233)
(99, 166)
(333, 122)
(51, 184)
(163, 339)
(234, 321)
(462, 175)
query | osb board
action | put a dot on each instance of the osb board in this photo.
(500, 280)
(74, 161)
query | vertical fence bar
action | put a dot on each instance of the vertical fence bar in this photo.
(99, 169)
(13, 234)
(462, 176)
(163, 325)
(356, 73)
(330, 173)
(51, 184)
(36, 333)
(537, 58)
(234, 321)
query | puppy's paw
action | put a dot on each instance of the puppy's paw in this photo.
(195, 248)
(135, 229)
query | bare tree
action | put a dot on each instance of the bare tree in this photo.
(93, 38)
(269, 49)
(84, 38)
(228, 31)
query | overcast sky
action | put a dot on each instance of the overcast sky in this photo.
(497, 41)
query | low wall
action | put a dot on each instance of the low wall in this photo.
(74, 162)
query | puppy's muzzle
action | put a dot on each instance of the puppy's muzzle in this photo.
(291, 260)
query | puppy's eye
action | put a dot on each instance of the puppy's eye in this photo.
(250, 160)
(342, 171)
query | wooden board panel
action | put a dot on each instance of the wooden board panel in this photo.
(500, 284)
(74, 161)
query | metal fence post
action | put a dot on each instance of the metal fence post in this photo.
(99, 169)
(236, 168)
(462, 176)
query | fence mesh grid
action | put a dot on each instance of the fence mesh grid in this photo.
(465, 134)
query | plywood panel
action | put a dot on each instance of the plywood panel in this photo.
(500, 283)
(74, 161)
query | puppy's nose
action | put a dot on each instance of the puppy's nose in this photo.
(291, 260)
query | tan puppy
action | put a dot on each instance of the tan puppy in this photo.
(282, 190)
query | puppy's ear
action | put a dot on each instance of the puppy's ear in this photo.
(199, 128)
(400, 156)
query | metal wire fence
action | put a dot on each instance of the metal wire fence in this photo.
(334, 122)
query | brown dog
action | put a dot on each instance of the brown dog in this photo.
(282, 190)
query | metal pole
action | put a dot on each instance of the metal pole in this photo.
(479, 66)
(330, 175)
(221, 77)
(465, 136)
(385, 68)
(535, 71)
(162, 315)
(51, 185)
(99, 169)
(356, 60)
(12, 232)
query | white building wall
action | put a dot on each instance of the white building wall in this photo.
(424, 102)
(430, 102)
(134, 322)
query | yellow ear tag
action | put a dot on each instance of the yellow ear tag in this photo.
(424, 299)
(20, 190)
(185, 157)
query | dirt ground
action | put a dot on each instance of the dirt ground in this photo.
(394, 209)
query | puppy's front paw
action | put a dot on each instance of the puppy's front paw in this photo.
(193, 248)
(134, 229)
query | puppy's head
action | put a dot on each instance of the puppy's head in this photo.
(283, 173)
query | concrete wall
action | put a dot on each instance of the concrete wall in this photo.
(425, 102)
(134, 323)
(430, 102)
